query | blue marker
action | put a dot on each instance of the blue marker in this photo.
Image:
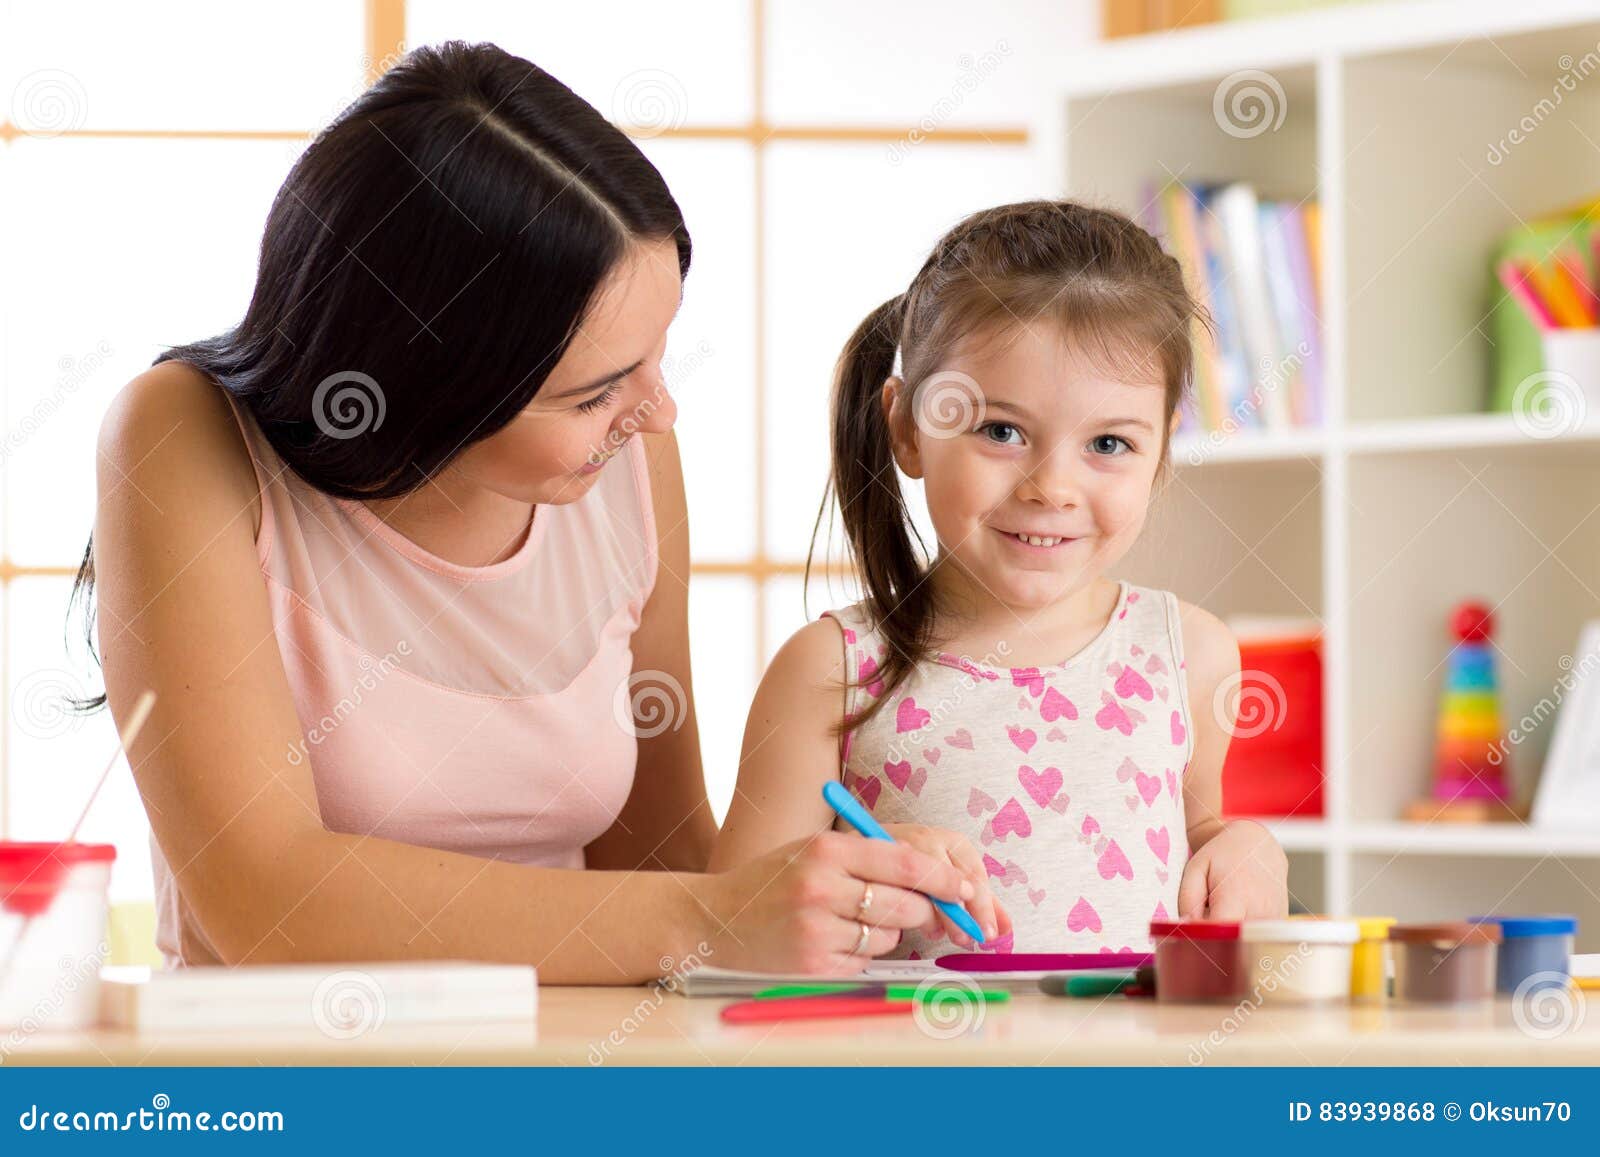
(851, 811)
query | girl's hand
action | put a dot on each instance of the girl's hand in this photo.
(798, 909)
(1238, 874)
(956, 849)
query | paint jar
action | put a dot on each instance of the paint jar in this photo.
(1444, 963)
(1370, 966)
(1198, 961)
(1534, 950)
(52, 933)
(1298, 961)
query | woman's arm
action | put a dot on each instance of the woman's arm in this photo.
(1236, 868)
(790, 751)
(183, 610)
(666, 823)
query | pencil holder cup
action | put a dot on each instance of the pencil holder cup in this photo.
(52, 934)
(1571, 364)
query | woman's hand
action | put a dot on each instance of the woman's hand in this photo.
(1238, 874)
(954, 848)
(798, 909)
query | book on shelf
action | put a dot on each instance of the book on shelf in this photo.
(1254, 264)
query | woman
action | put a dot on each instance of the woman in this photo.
(396, 552)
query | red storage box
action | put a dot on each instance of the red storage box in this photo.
(1274, 764)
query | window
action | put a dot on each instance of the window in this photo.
(818, 150)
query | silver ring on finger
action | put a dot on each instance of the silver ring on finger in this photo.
(866, 903)
(861, 945)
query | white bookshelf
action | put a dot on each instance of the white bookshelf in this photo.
(1408, 499)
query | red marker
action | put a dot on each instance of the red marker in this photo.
(811, 1007)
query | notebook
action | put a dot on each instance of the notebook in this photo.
(724, 982)
(340, 1000)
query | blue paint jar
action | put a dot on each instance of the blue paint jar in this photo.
(1533, 949)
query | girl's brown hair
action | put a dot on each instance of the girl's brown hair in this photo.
(1105, 281)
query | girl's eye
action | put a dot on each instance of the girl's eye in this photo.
(1001, 433)
(1111, 445)
(604, 398)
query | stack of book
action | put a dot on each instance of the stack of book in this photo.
(1255, 265)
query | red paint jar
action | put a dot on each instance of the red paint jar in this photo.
(1198, 961)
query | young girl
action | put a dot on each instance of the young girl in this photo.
(1030, 377)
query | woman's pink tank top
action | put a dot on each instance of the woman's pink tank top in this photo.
(484, 710)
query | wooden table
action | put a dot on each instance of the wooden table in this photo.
(639, 1026)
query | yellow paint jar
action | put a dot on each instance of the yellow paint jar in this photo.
(1369, 963)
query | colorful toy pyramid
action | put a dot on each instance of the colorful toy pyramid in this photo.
(1469, 763)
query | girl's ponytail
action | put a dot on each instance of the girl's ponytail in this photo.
(864, 480)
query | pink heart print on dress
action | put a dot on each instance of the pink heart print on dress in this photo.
(898, 774)
(1131, 684)
(1041, 786)
(1028, 677)
(1008, 873)
(1160, 842)
(1023, 737)
(909, 717)
(962, 739)
(1113, 716)
(1055, 706)
(867, 668)
(1000, 943)
(979, 802)
(1179, 732)
(1113, 863)
(866, 789)
(1083, 917)
(1011, 818)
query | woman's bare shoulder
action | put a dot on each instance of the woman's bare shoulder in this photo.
(171, 428)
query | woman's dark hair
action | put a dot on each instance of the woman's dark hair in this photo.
(423, 268)
(1101, 278)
